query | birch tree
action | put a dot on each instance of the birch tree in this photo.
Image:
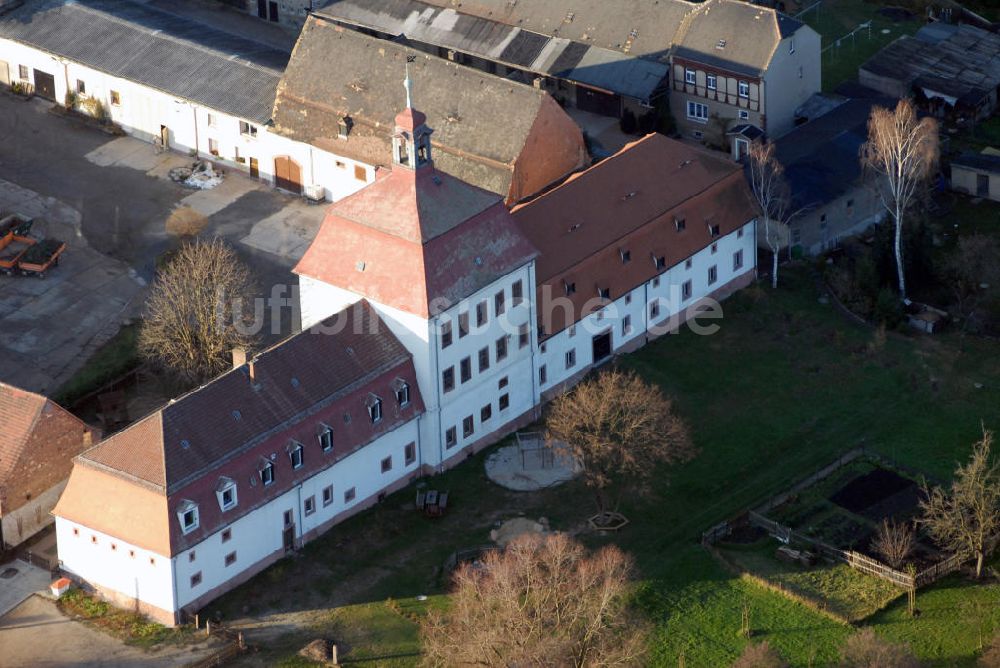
(966, 518)
(772, 195)
(902, 152)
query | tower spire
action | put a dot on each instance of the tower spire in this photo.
(408, 83)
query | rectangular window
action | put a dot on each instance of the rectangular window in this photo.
(697, 111)
(213, 146)
(656, 282)
(375, 409)
(386, 464)
(227, 534)
(737, 260)
(484, 359)
(572, 331)
(739, 233)
(230, 559)
(403, 394)
(713, 274)
(660, 262)
(570, 287)
(504, 402)
(448, 379)
(446, 334)
(360, 173)
(81, 87)
(523, 336)
(189, 519)
(295, 456)
(570, 358)
(195, 579)
(248, 129)
(714, 231)
(227, 499)
(686, 290)
(327, 495)
(516, 293)
(349, 495)
(450, 437)
(680, 224)
(267, 473)
(711, 82)
(309, 505)
(627, 325)
(211, 120)
(499, 303)
(486, 412)
(409, 453)
(468, 427)
(744, 115)
(22, 72)
(501, 348)
(744, 89)
(289, 518)
(326, 439)
(463, 325)
(626, 255)
(465, 367)
(689, 76)
(116, 98)
(191, 555)
(715, 248)
(543, 375)
(687, 263)
(481, 313)
(654, 309)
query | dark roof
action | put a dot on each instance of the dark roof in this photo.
(231, 414)
(450, 27)
(746, 33)
(748, 130)
(483, 125)
(821, 157)
(981, 162)
(174, 54)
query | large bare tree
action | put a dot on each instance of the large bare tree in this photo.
(902, 151)
(966, 518)
(198, 310)
(618, 428)
(541, 602)
(893, 541)
(867, 649)
(773, 196)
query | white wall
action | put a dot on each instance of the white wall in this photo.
(791, 79)
(107, 561)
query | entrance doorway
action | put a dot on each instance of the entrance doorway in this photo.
(262, 9)
(288, 174)
(272, 8)
(982, 185)
(254, 169)
(45, 85)
(602, 346)
(164, 136)
(288, 532)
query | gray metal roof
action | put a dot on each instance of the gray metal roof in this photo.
(588, 64)
(133, 41)
(980, 162)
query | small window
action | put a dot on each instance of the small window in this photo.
(448, 379)
(744, 89)
(686, 290)
(114, 547)
(850, 203)
(349, 495)
(486, 412)
(501, 346)
(628, 299)
(116, 98)
(195, 579)
(523, 336)
(737, 260)
(744, 115)
(267, 473)
(226, 492)
(656, 282)
(543, 375)
(213, 146)
(572, 331)
(248, 129)
(289, 518)
(402, 394)
(327, 495)
(504, 402)
(715, 248)
(570, 358)
(688, 263)
(654, 309)
(211, 120)
(295, 455)
(468, 427)
(711, 82)
(484, 359)
(375, 409)
(450, 437)
(569, 287)
(627, 325)
(499, 303)
(81, 87)
(188, 515)
(481, 313)
(191, 556)
(22, 72)
(465, 367)
(516, 293)
(387, 464)
(409, 453)
(463, 325)
(739, 233)
(713, 274)
(503, 382)
(625, 255)
(660, 262)
(230, 559)
(689, 76)
(152, 561)
(326, 439)
(76, 532)
(680, 224)
(360, 173)
(131, 554)
(713, 230)
(309, 505)
(227, 535)
(604, 293)
(446, 336)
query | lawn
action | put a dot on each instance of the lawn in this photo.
(836, 19)
(783, 388)
(115, 358)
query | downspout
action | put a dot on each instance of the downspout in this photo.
(197, 144)
(298, 513)
(437, 393)
(536, 390)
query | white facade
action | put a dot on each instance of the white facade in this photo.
(185, 126)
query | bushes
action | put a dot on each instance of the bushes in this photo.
(867, 649)
(759, 655)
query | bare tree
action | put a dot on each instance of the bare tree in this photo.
(903, 151)
(771, 193)
(198, 310)
(867, 649)
(974, 273)
(618, 428)
(893, 541)
(759, 655)
(541, 602)
(966, 519)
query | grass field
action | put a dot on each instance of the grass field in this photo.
(783, 388)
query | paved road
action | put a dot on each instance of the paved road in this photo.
(18, 581)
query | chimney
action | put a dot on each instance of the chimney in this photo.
(239, 357)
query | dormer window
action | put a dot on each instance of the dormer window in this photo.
(604, 293)
(680, 224)
(325, 438)
(402, 390)
(295, 454)
(660, 262)
(625, 255)
(344, 126)
(266, 472)
(225, 492)
(187, 515)
(713, 230)
(570, 287)
(374, 408)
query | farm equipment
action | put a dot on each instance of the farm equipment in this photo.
(40, 256)
(22, 253)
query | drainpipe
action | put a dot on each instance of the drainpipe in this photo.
(536, 391)
(197, 144)
(298, 513)
(437, 392)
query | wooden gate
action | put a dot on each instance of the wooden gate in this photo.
(45, 85)
(288, 174)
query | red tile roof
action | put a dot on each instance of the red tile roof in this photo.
(629, 202)
(413, 238)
